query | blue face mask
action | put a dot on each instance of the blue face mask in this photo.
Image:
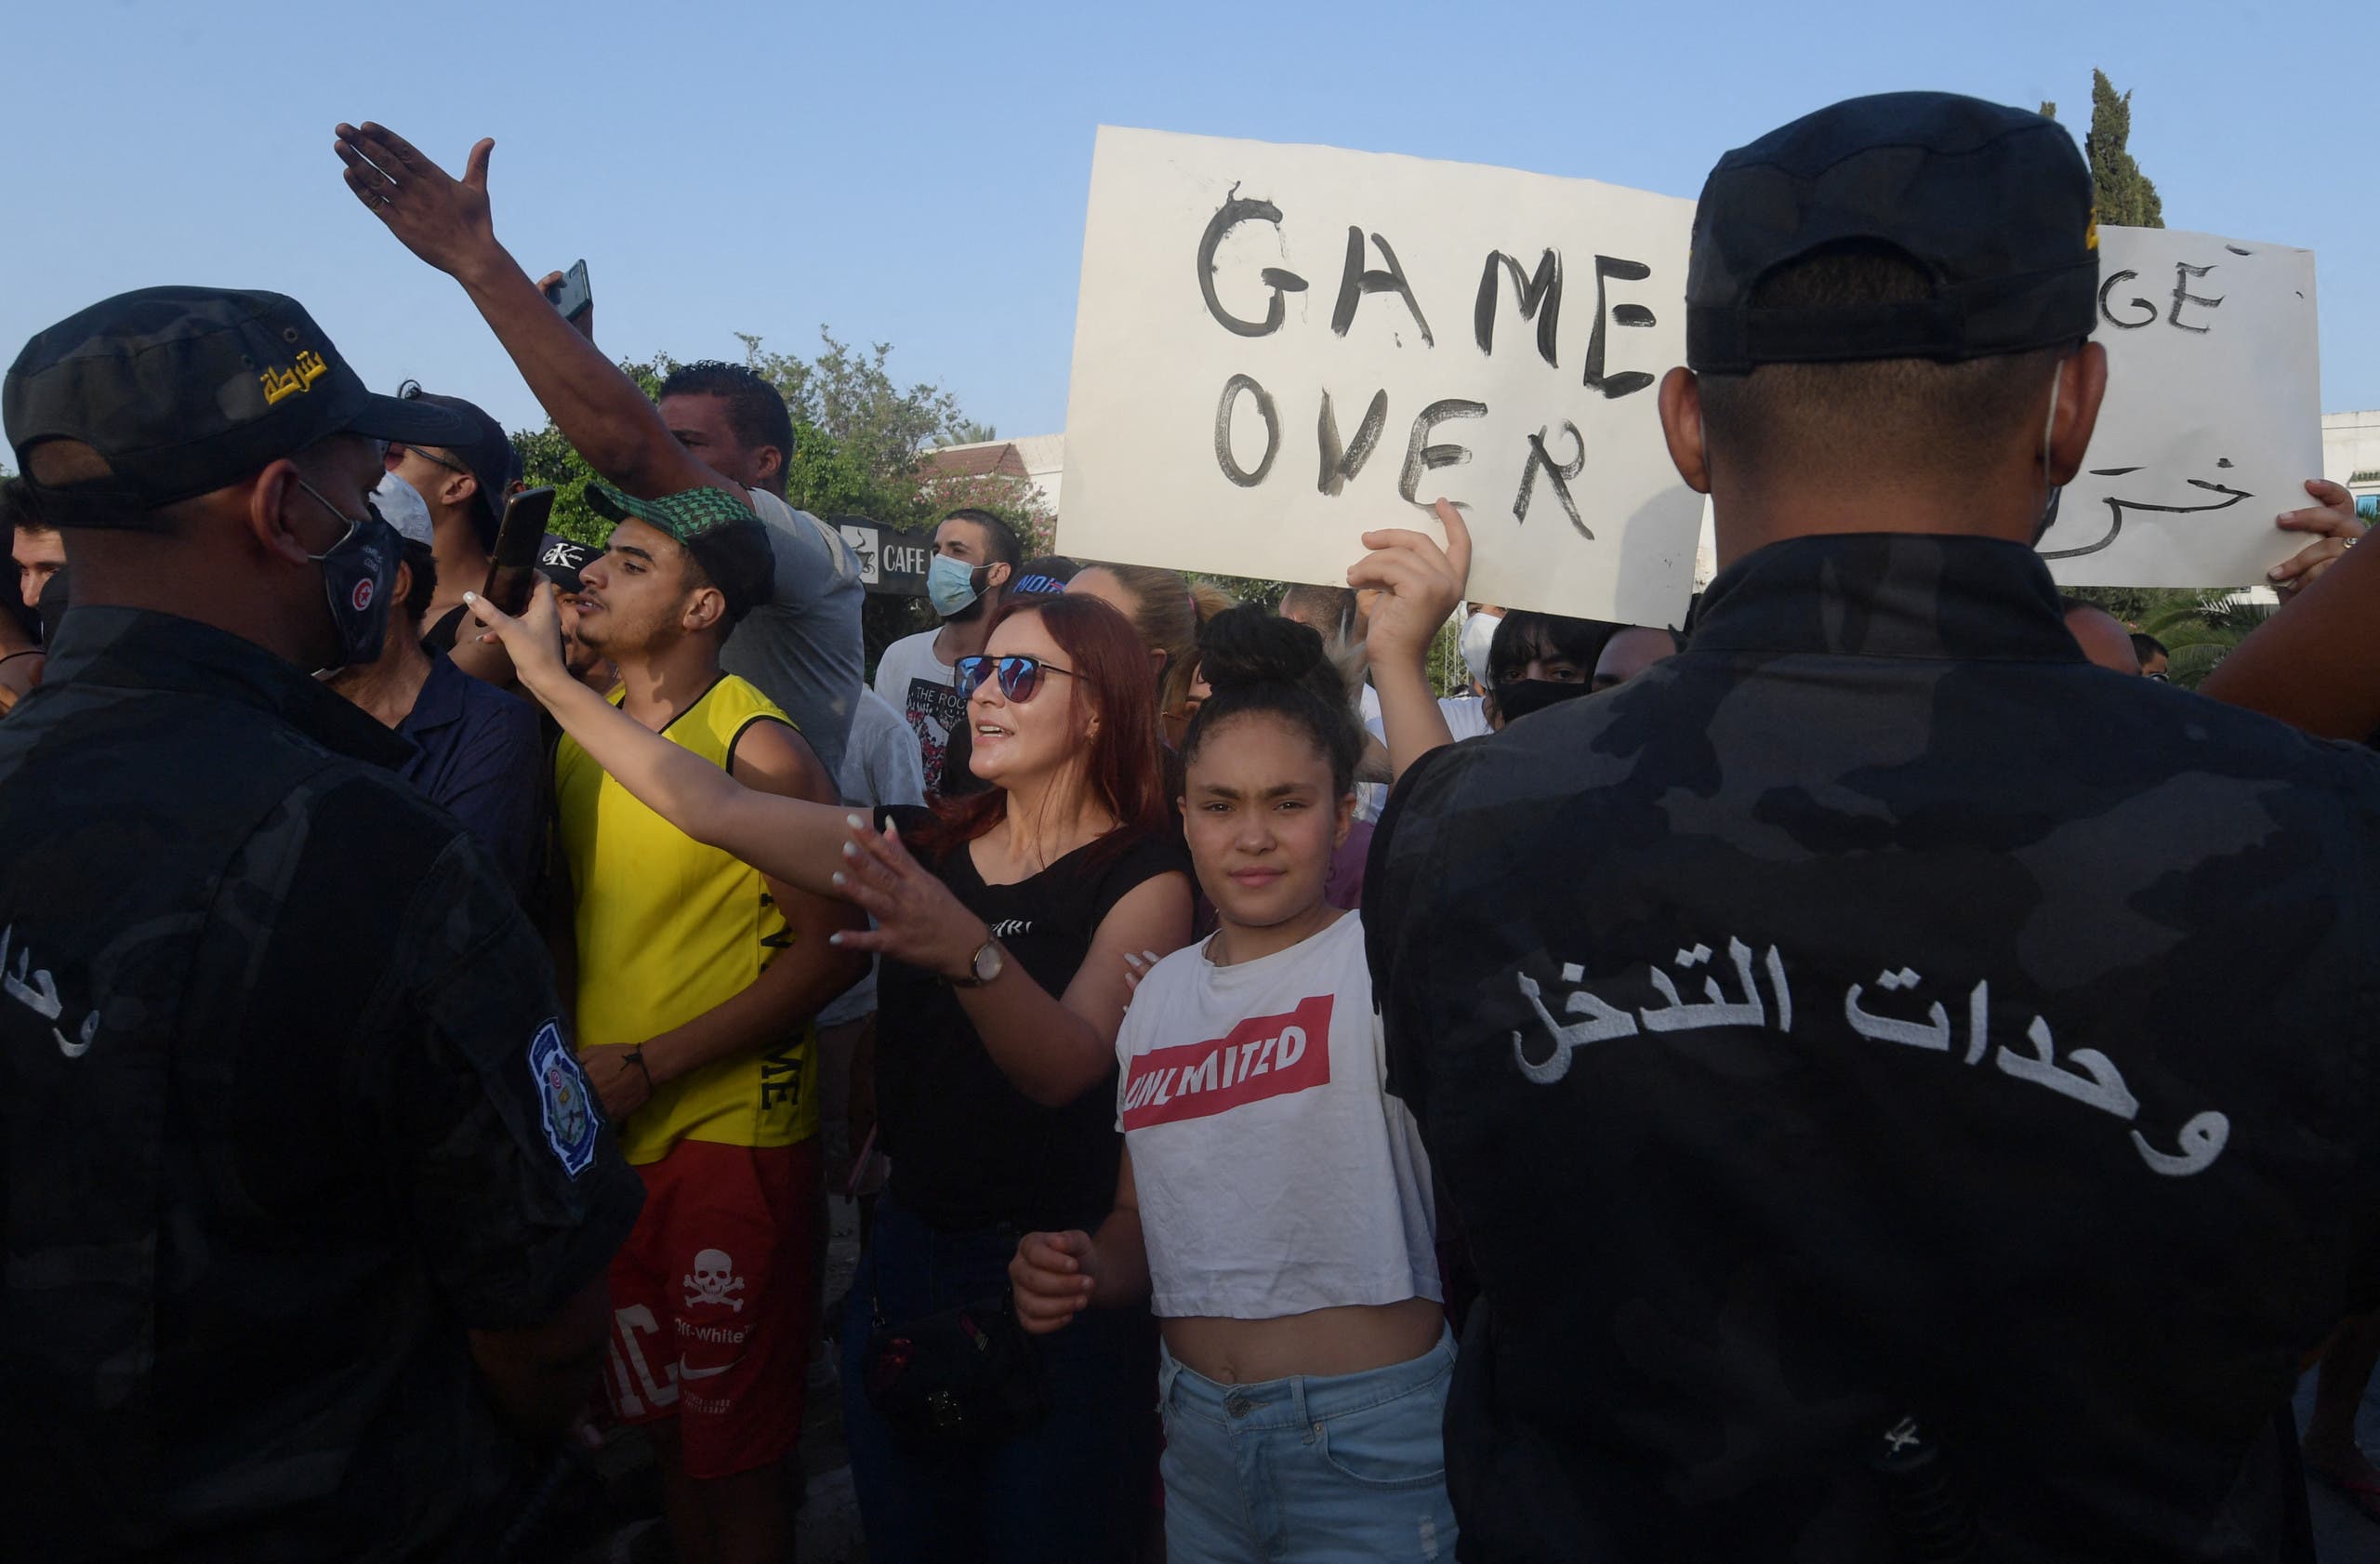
(950, 586)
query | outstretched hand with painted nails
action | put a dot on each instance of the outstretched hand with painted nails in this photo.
(919, 922)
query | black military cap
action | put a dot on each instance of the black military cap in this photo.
(560, 559)
(1993, 203)
(1044, 577)
(184, 389)
(486, 450)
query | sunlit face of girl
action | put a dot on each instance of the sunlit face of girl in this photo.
(1262, 819)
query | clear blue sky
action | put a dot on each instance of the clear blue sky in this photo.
(917, 174)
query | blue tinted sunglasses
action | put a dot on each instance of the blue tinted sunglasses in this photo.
(1019, 677)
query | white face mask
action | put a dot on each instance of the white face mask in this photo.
(1478, 634)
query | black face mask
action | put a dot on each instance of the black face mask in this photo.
(1516, 699)
(359, 572)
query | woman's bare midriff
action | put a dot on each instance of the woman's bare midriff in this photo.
(1323, 1343)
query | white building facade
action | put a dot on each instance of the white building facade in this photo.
(2351, 455)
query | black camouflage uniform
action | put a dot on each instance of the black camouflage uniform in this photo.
(283, 1107)
(1904, 1087)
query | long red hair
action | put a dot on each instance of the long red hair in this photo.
(1125, 772)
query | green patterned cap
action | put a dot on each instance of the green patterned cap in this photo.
(720, 531)
(686, 515)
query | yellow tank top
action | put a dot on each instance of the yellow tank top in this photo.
(669, 929)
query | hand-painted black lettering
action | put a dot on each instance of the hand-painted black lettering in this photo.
(2108, 314)
(1339, 466)
(2183, 272)
(1235, 211)
(1558, 474)
(1634, 379)
(1421, 456)
(2116, 509)
(1355, 283)
(1224, 456)
(1540, 296)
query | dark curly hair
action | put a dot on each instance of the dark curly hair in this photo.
(1258, 663)
(756, 410)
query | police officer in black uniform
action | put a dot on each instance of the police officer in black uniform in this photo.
(1910, 1094)
(306, 1205)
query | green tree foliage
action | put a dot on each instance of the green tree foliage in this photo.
(852, 397)
(2125, 195)
(2199, 629)
(2198, 625)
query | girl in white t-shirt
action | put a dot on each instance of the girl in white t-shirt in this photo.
(1274, 1202)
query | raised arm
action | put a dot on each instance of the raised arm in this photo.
(1422, 586)
(447, 222)
(2310, 664)
(788, 838)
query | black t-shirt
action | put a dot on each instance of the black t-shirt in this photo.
(967, 1148)
(445, 632)
(1875, 1013)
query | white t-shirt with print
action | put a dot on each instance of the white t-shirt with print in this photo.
(924, 689)
(1276, 1175)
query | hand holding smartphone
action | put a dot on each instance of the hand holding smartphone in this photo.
(512, 573)
(571, 294)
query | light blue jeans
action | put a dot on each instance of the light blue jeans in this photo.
(1308, 1470)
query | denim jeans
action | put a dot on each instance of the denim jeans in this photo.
(1308, 1470)
(1075, 1487)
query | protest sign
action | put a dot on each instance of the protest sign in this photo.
(2212, 421)
(1279, 347)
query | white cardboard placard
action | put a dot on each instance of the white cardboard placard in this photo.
(2212, 421)
(1280, 347)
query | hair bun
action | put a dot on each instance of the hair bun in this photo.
(1251, 646)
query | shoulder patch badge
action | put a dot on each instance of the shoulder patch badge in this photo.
(565, 1102)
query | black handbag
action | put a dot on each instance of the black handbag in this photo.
(962, 1379)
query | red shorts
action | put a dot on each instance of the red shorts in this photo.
(712, 1303)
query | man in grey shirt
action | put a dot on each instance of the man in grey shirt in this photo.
(802, 647)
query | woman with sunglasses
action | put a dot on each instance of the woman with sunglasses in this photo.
(1004, 919)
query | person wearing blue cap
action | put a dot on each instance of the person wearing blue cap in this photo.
(478, 753)
(1909, 1092)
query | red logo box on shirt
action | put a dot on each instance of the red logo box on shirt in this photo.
(1263, 1056)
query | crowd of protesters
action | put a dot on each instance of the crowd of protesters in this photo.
(1858, 1073)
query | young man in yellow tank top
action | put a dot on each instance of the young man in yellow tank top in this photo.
(698, 982)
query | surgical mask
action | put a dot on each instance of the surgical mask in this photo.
(358, 573)
(1478, 635)
(950, 586)
(1518, 698)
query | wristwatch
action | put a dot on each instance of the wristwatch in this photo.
(987, 963)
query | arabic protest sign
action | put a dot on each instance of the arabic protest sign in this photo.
(1280, 347)
(2212, 421)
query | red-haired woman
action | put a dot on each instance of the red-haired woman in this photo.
(1004, 919)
